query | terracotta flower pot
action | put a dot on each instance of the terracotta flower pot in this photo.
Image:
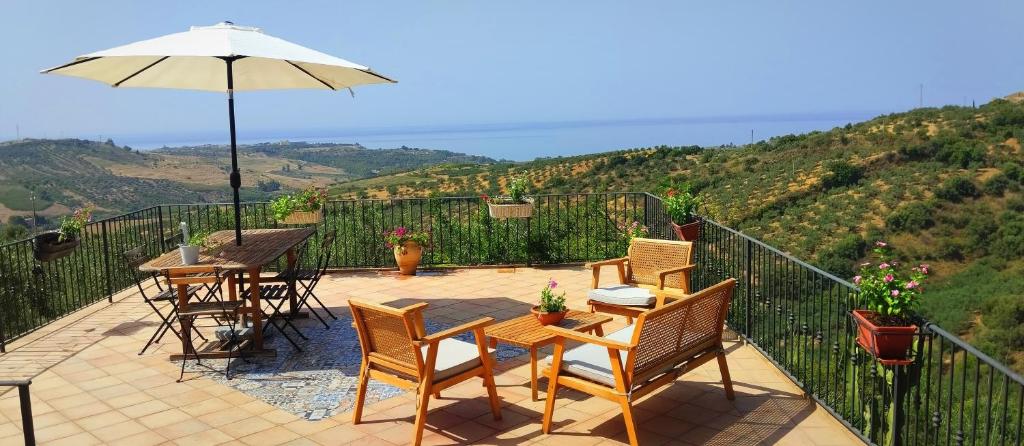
(885, 343)
(546, 318)
(408, 257)
(688, 232)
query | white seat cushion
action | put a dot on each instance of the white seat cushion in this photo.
(591, 361)
(622, 295)
(454, 357)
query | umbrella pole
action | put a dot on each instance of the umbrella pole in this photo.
(236, 177)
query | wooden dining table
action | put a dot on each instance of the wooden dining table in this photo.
(259, 248)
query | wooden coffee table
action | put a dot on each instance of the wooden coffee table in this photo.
(525, 331)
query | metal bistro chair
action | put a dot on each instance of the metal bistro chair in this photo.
(136, 257)
(306, 279)
(225, 313)
(276, 295)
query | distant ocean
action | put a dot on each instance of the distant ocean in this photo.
(526, 141)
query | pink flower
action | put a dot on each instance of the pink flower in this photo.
(400, 231)
(883, 266)
(924, 268)
(856, 280)
(895, 293)
(888, 278)
(881, 244)
(552, 283)
(912, 284)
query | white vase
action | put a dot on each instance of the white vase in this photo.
(189, 254)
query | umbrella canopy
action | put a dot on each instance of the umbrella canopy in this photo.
(224, 58)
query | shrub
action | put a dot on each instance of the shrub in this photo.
(1009, 240)
(980, 230)
(841, 173)
(911, 217)
(996, 185)
(1013, 171)
(839, 259)
(956, 188)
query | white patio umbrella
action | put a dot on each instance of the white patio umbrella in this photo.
(223, 58)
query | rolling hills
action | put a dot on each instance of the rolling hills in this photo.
(942, 185)
(69, 172)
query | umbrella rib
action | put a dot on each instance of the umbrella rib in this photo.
(118, 83)
(71, 64)
(368, 71)
(310, 75)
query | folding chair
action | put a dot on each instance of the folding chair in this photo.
(136, 257)
(306, 279)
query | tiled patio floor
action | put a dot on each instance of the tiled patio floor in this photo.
(90, 387)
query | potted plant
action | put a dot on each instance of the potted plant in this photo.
(52, 245)
(681, 204)
(408, 248)
(552, 307)
(885, 327)
(516, 204)
(303, 208)
(190, 249)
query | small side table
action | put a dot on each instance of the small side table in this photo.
(525, 331)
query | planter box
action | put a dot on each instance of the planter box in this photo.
(46, 248)
(304, 218)
(517, 210)
(888, 344)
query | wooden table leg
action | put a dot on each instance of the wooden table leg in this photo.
(186, 323)
(292, 292)
(533, 373)
(254, 302)
(233, 293)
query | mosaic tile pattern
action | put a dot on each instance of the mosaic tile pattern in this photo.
(318, 381)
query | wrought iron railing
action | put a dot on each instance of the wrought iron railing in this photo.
(794, 313)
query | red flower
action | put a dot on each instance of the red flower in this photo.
(671, 193)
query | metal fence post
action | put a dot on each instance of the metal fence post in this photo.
(749, 306)
(160, 227)
(897, 398)
(106, 263)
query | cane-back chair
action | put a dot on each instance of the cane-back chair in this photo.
(662, 266)
(397, 351)
(664, 344)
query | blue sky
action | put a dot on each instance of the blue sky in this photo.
(469, 63)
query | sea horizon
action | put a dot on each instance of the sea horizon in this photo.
(524, 141)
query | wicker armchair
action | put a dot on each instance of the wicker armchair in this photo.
(397, 351)
(664, 344)
(661, 265)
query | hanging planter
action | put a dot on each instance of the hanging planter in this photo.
(887, 343)
(303, 218)
(884, 327)
(53, 245)
(304, 208)
(508, 209)
(688, 232)
(681, 205)
(46, 247)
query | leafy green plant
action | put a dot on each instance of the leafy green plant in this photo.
(884, 289)
(71, 226)
(681, 203)
(199, 238)
(549, 301)
(310, 199)
(517, 187)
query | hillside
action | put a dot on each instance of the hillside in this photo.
(943, 185)
(70, 172)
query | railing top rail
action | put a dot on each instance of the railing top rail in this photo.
(15, 382)
(988, 360)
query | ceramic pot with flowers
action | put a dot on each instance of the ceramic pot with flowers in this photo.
(885, 326)
(407, 246)
(552, 308)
